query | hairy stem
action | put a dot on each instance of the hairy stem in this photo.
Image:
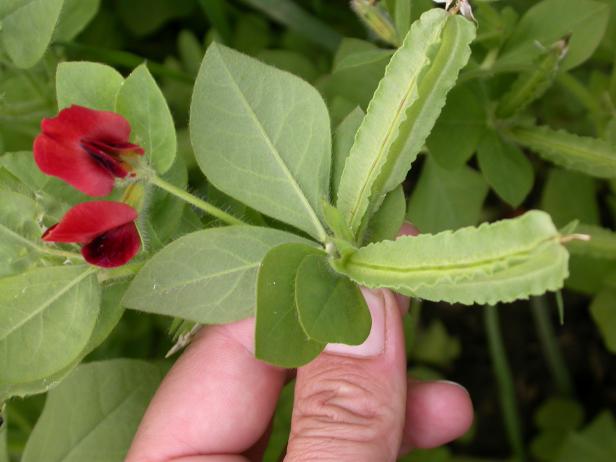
(121, 272)
(551, 350)
(501, 369)
(193, 200)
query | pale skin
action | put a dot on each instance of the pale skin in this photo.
(216, 403)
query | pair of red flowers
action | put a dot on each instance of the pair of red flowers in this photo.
(89, 149)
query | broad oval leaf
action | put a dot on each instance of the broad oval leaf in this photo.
(207, 276)
(47, 316)
(344, 135)
(505, 168)
(551, 20)
(279, 336)
(74, 17)
(92, 85)
(455, 136)
(144, 105)
(331, 308)
(262, 136)
(402, 112)
(498, 262)
(568, 196)
(446, 199)
(19, 232)
(122, 389)
(591, 156)
(27, 30)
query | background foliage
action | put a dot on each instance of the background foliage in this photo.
(519, 131)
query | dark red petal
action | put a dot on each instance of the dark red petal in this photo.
(113, 248)
(59, 149)
(71, 163)
(120, 149)
(77, 122)
(85, 222)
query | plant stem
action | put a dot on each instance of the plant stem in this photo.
(193, 200)
(59, 253)
(504, 379)
(551, 351)
(126, 59)
(119, 273)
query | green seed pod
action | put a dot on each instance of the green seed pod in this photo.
(532, 84)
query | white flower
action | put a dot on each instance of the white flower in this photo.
(446, 2)
(466, 10)
(463, 6)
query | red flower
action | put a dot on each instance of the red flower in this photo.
(105, 229)
(86, 148)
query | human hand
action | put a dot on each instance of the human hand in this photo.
(352, 404)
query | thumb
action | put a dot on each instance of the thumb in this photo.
(350, 402)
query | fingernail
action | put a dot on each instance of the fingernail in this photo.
(375, 343)
(456, 384)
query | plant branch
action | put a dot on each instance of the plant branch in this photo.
(551, 350)
(501, 369)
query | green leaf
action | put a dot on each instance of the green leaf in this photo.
(559, 414)
(589, 275)
(499, 262)
(402, 112)
(597, 442)
(551, 20)
(505, 168)
(290, 61)
(446, 199)
(335, 222)
(459, 128)
(92, 85)
(604, 315)
(4, 454)
(122, 389)
(143, 104)
(262, 136)
(434, 345)
(190, 50)
(387, 221)
(279, 336)
(142, 17)
(400, 11)
(20, 233)
(27, 30)
(331, 308)
(569, 196)
(74, 17)
(591, 156)
(344, 136)
(46, 318)
(288, 13)
(358, 68)
(602, 242)
(207, 276)
(110, 314)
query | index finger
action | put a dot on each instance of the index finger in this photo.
(217, 399)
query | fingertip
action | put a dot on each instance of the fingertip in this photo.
(436, 414)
